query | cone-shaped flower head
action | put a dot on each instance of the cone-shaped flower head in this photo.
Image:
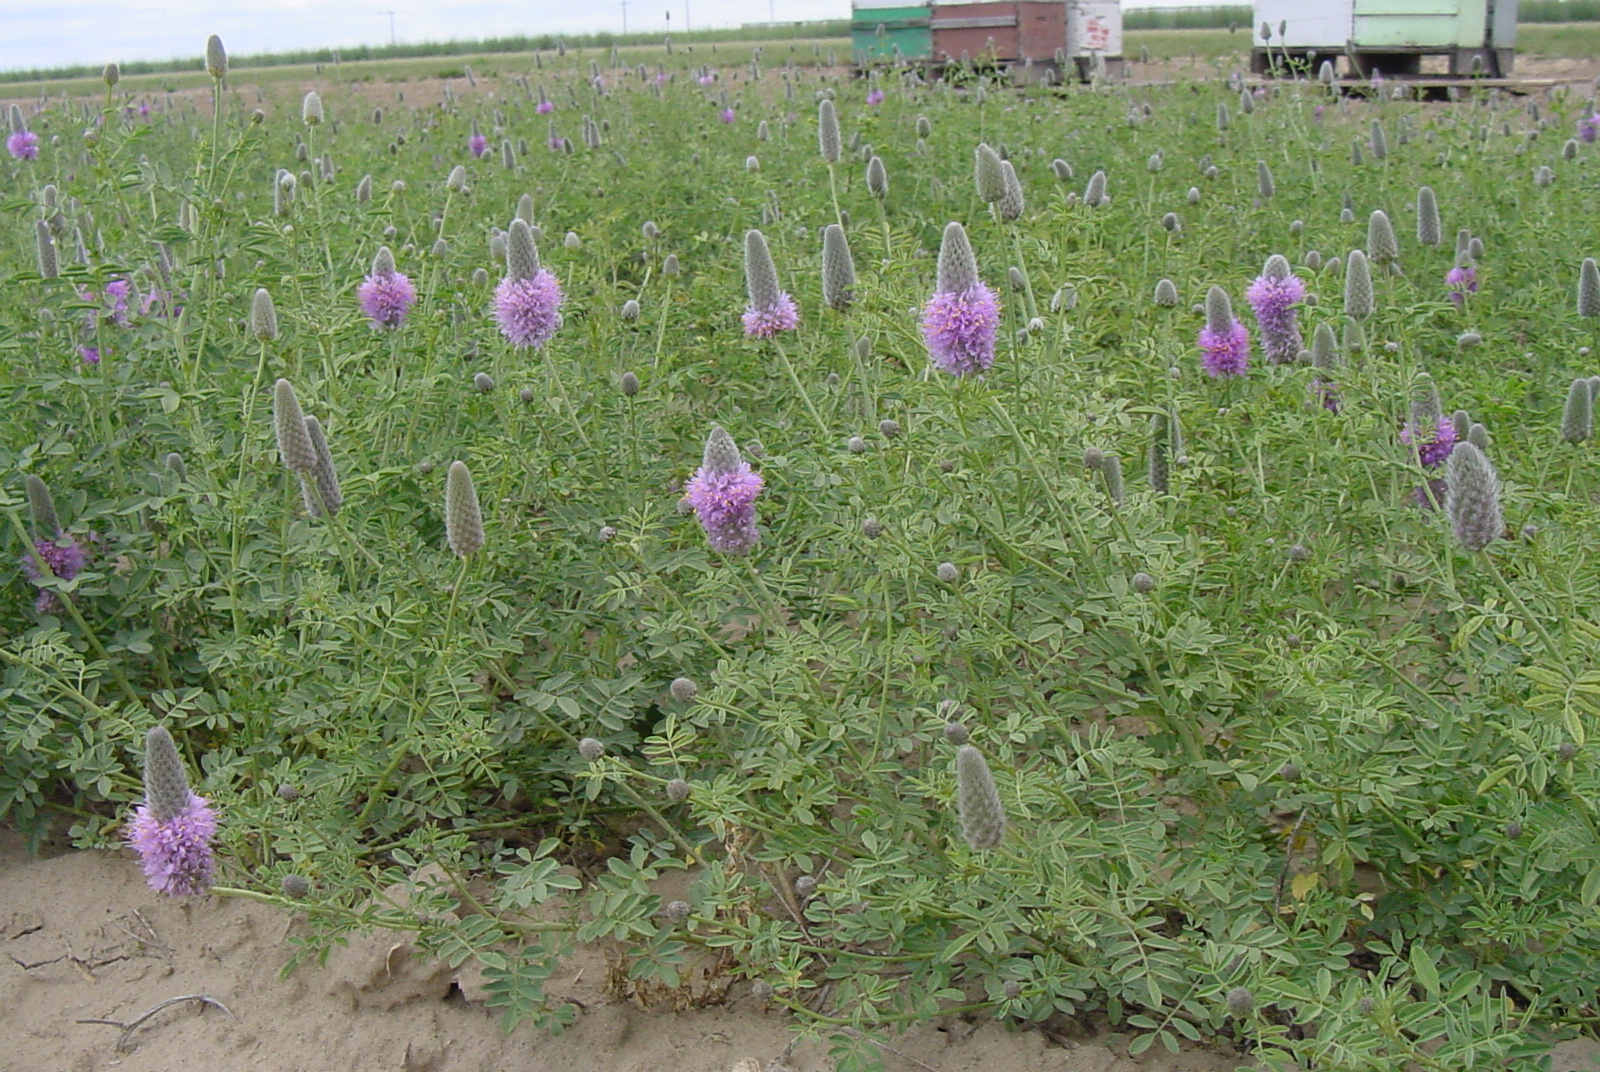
(1166, 294)
(988, 175)
(1273, 296)
(828, 140)
(1094, 194)
(960, 320)
(322, 493)
(386, 295)
(1378, 142)
(1111, 476)
(1577, 419)
(1324, 348)
(877, 178)
(1430, 231)
(1472, 497)
(838, 269)
(173, 828)
(1358, 297)
(166, 786)
(978, 807)
(263, 316)
(722, 494)
(1010, 205)
(1382, 246)
(527, 303)
(522, 255)
(1428, 430)
(45, 246)
(216, 57)
(1224, 342)
(1589, 288)
(1265, 187)
(771, 310)
(463, 521)
(42, 508)
(311, 109)
(294, 444)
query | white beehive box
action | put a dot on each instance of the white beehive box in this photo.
(1094, 27)
(1325, 25)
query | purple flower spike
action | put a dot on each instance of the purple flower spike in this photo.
(117, 290)
(959, 328)
(23, 145)
(1589, 129)
(875, 97)
(478, 145)
(529, 310)
(960, 320)
(1462, 280)
(722, 493)
(777, 317)
(1273, 296)
(1224, 354)
(1435, 449)
(386, 298)
(545, 107)
(176, 852)
(64, 557)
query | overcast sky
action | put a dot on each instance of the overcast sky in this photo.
(56, 33)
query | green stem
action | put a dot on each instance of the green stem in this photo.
(822, 426)
(1522, 608)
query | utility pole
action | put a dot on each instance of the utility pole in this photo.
(685, 16)
(772, 19)
(624, 18)
(391, 28)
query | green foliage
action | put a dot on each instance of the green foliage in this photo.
(1316, 754)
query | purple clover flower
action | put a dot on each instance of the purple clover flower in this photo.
(64, 556)
(722, 494)
(1326, 392)
(875, 97)
(1589, 129)
(90, 355)
(176, 853)
(727, 115)
(1274, 302)
(1462, 280)
(118, 290)
(707, 79)
(545, 107)
(1432, 451)
(959, 328)
(478, 145)
(1224, 354)
(781, 315)
(23, 145)
(386, 298)
(529, 310)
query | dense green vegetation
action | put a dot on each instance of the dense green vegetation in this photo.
(1287, 762)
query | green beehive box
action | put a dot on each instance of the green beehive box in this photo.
(878, 34)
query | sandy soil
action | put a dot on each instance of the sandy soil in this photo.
(83, 938)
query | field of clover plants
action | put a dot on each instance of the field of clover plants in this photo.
(1109, 557)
